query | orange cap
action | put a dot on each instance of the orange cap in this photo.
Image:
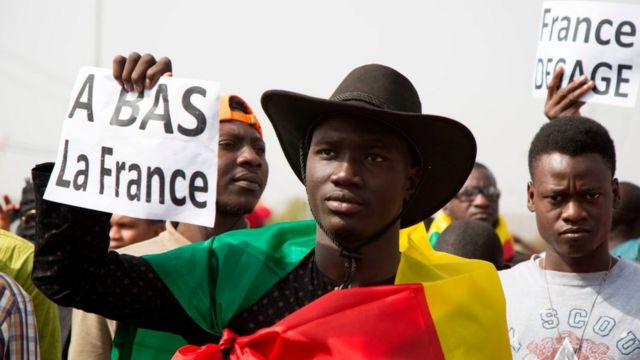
(226, 113)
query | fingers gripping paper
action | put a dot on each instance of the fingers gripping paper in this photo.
(150, 155)
(596, 39)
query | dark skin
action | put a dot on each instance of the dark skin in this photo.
(352, 197)
(480, 207)
(7, 212)
(126, 230)
(566, 101)
(574, 198)
(242, 166)
(242, 177)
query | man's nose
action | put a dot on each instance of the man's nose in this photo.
(346, 174)
(573, 212)
(249, 156)
(114, 233)
(481, 200)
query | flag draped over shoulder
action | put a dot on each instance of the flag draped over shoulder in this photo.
(226, 276)
(443, 307)
(465, 298)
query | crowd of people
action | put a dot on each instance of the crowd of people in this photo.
(407, 255)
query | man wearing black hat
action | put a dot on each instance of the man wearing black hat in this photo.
(371, 163)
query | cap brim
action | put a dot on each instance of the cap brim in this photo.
(447, 148)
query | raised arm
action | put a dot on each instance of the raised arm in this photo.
(73, 267)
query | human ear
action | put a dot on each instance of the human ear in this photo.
(615, 188)
(413, 178)
(531, 192)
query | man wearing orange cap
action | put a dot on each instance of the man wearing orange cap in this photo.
(242, 176)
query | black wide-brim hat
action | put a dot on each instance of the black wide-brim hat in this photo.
(447, 149)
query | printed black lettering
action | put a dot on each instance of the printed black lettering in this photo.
(85, 105)
(563, 33)
(193, 189)
(201, 119)
(179, 201)
(605, 79)
(598, 33)
(131, 104)
(578, 70)
(60, 180)
(159, 174)
(587, 30)
(82, 174)
(545, 24)
(620, 32)
(136, 182)
(165, 116)
(120, 167)
(622, 80)
(106, 151)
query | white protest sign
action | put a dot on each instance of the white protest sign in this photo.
(596, 39)
(150, 155)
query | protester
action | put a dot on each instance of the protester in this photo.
(472, 239)
(18, 334)
(8, 213)
(574, 301)
(624, 239)
(24, 211)
(478, 199)
(127, 230)
(342, 149)
(16, 261)
(241, 159)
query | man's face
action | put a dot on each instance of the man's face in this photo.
(478, 199)
(242, 168)
(127, 230)
(358, 174)
(573, 198)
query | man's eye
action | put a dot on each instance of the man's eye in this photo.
(260, 150)
(554, 198)
(227, 145)
(592, 196)
(375, 158)
(326, 152)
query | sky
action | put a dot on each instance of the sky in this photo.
(470, 60)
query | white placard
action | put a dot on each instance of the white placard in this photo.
(596, 39)
(151, 155)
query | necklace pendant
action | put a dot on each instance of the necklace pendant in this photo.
(566, 352)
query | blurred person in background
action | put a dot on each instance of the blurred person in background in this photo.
(127, 230)
(624, 239)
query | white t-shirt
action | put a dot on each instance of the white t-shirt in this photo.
(537, 330)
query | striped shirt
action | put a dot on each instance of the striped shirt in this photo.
(18, 332)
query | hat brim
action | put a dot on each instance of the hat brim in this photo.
(447, 148)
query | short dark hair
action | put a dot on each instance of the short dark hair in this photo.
(626, 217)
(472, 239)
(573, 136)
(480, 166)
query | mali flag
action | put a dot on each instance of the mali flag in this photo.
(443, 307)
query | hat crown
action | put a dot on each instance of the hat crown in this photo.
(379, 86)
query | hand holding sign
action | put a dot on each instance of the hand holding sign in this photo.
(592, 39)
(149, 155)
(138, 72)
(566, 101)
